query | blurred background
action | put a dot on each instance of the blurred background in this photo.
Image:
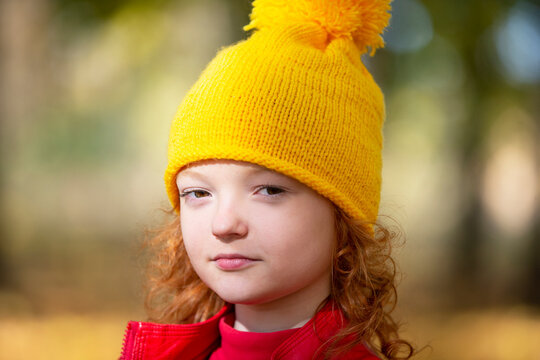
(87, 93)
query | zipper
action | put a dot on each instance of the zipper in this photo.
(129, 340)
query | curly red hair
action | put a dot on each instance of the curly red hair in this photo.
(363, 286)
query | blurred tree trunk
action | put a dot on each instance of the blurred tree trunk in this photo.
(532, 291)
(463, 23)
(23, 41)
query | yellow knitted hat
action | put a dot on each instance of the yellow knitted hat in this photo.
(295, 98)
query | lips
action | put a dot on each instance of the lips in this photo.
(230, 262)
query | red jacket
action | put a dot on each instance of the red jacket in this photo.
(149, 341)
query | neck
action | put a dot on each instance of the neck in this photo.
(285, 313)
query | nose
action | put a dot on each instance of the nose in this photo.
(228, 224)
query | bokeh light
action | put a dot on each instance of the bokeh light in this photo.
(517, 39)
(410, 27)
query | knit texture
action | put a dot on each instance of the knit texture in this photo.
(295, 98)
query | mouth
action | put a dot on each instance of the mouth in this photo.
(230, 262)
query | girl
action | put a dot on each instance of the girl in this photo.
(274, 178)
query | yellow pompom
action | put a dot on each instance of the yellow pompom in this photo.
(360, 20)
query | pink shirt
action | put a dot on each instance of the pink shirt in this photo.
(244, 345)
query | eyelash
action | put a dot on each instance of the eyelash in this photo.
(186, 193)
(266, 186)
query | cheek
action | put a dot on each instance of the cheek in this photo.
(192, 234)
(300, 233)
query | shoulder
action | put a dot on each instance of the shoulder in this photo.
(152, 341)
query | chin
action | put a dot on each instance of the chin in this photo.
(242, 297)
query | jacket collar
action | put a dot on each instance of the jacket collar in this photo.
(145, 341)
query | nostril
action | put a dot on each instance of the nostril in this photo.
(229, 235)
(229, 227)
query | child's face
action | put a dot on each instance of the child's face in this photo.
(253, 235)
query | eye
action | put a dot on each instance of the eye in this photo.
(196, 193)
(272, 190)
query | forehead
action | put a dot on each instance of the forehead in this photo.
(239, 167)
